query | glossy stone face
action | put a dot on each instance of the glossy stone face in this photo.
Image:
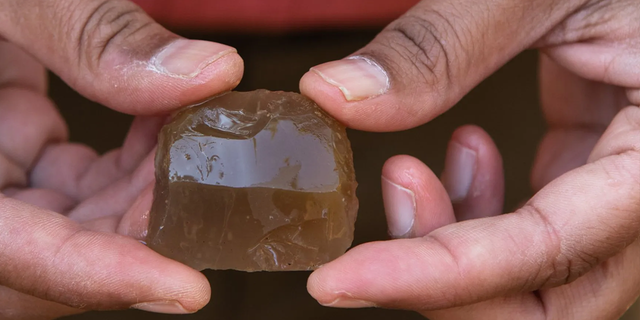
(253, 181)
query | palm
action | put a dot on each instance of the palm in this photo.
(38, 166)
(73, 180)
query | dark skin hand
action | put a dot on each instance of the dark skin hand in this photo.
(572, 250)
(70, 218)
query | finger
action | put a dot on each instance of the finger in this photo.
(141, 139)
(61, 167)
(28, 120)
(600, 51)
(43, 198)
(50, 257)
(598, 48)
(502, 308)
(423, 63)
(577, 111)
(112, 52)
(414, 200)
(544, 244)
(19, 306)
(135, 221)
(77, 171)
(606, 292)
(20, 69)
(118, 197)
(473, 174)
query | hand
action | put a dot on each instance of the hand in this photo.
(69, 217)
(572, 251)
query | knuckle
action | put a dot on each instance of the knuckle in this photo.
(566, 259)
(592, 19)
(456, 262)
(556, 268)
(107, 24)
(64, 251)
(623, 173)
(426, 42)
(622, 141)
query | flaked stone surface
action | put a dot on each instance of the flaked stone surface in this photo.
(253, 181)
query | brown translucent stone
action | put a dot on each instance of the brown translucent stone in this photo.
(253, 181)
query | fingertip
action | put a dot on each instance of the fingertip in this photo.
(192, 289)
(327, 96)
(135, 222)
(161, 279)
(219, 76)
(344, 282)
(379, 113)
(143, 90)
(473, 174)
(373, 274)
(199, 294)
(317, 288)
(472, 136)
(415, 201)
(222, 75)
(153, 277)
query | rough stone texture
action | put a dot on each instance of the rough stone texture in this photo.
(253, 181)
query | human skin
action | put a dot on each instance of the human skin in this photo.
(571, 251)
(71, 218)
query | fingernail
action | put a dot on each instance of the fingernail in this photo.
(400, 208)
(349, 303)
(459, 170)
(169, 307)
(357, 77)
(187, 58)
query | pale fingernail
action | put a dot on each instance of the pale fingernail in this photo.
(400, 208)
(169, 307)
(187, 58)
(349, 303)
(357, 77)
(459, 169)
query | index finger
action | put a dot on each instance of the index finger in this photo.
(570, 226)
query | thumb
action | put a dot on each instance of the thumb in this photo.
(50, 257)
(424, 62)
(112, 52)
(573, 224)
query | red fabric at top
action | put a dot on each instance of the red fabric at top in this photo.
(273, 15)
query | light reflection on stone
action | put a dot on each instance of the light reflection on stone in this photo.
(253, 181)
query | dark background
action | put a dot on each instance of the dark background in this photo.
(505, 105)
